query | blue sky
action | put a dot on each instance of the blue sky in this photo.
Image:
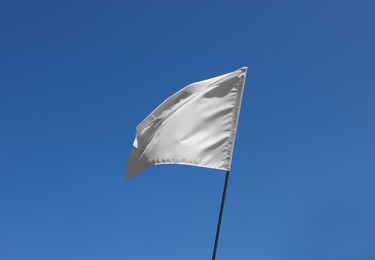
(78, 76)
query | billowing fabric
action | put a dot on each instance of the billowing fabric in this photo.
(196, 126)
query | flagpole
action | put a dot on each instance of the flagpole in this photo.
(221, 215)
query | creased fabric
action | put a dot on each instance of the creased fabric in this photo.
(196, 126)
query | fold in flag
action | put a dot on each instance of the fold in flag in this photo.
(196, 126)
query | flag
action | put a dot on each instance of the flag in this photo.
(195, 126)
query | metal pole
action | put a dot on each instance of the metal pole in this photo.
(221, 215)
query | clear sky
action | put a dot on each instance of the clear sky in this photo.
(76, 77)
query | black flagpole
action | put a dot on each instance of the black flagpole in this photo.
(221, 215)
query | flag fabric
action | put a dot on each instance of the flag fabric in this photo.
(195, 126)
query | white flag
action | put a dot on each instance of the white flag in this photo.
(196, 126)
